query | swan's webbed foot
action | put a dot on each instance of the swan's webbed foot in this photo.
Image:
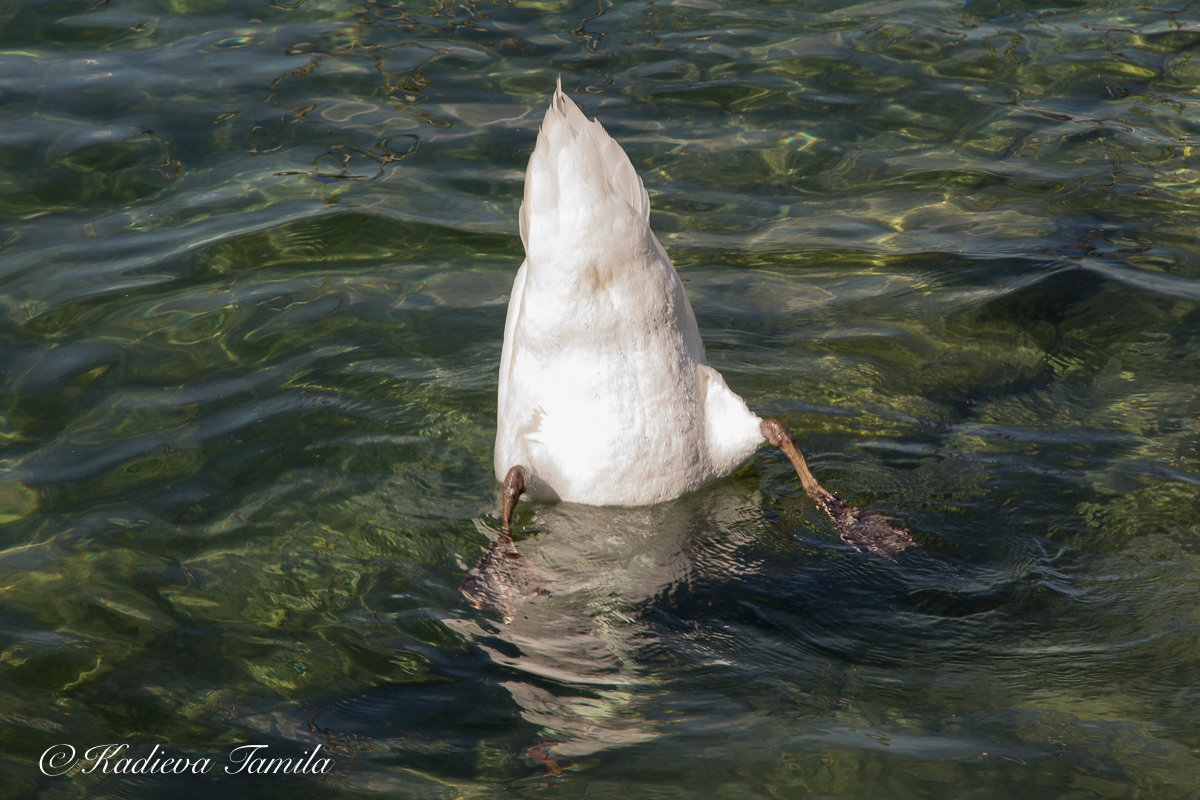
(860, 528)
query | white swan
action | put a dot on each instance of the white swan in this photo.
(605, 397)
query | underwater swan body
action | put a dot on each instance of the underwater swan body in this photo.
(604, 394)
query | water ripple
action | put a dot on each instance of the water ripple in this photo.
(252, 286)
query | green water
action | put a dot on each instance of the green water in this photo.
(254, 264)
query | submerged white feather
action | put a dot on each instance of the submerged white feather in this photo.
(605, 397)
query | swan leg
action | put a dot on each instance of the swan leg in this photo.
(858, 527)
(514, 487)
(503, 580)
(780, 436)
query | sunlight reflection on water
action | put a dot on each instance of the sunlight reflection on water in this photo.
(253, 276)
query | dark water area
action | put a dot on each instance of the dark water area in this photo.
(254, 266)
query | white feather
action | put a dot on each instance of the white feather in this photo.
(605, 397)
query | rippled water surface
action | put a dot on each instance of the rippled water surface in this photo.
(254, 265)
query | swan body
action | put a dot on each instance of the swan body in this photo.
(605, 397)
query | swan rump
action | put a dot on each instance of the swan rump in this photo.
(605, 397)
